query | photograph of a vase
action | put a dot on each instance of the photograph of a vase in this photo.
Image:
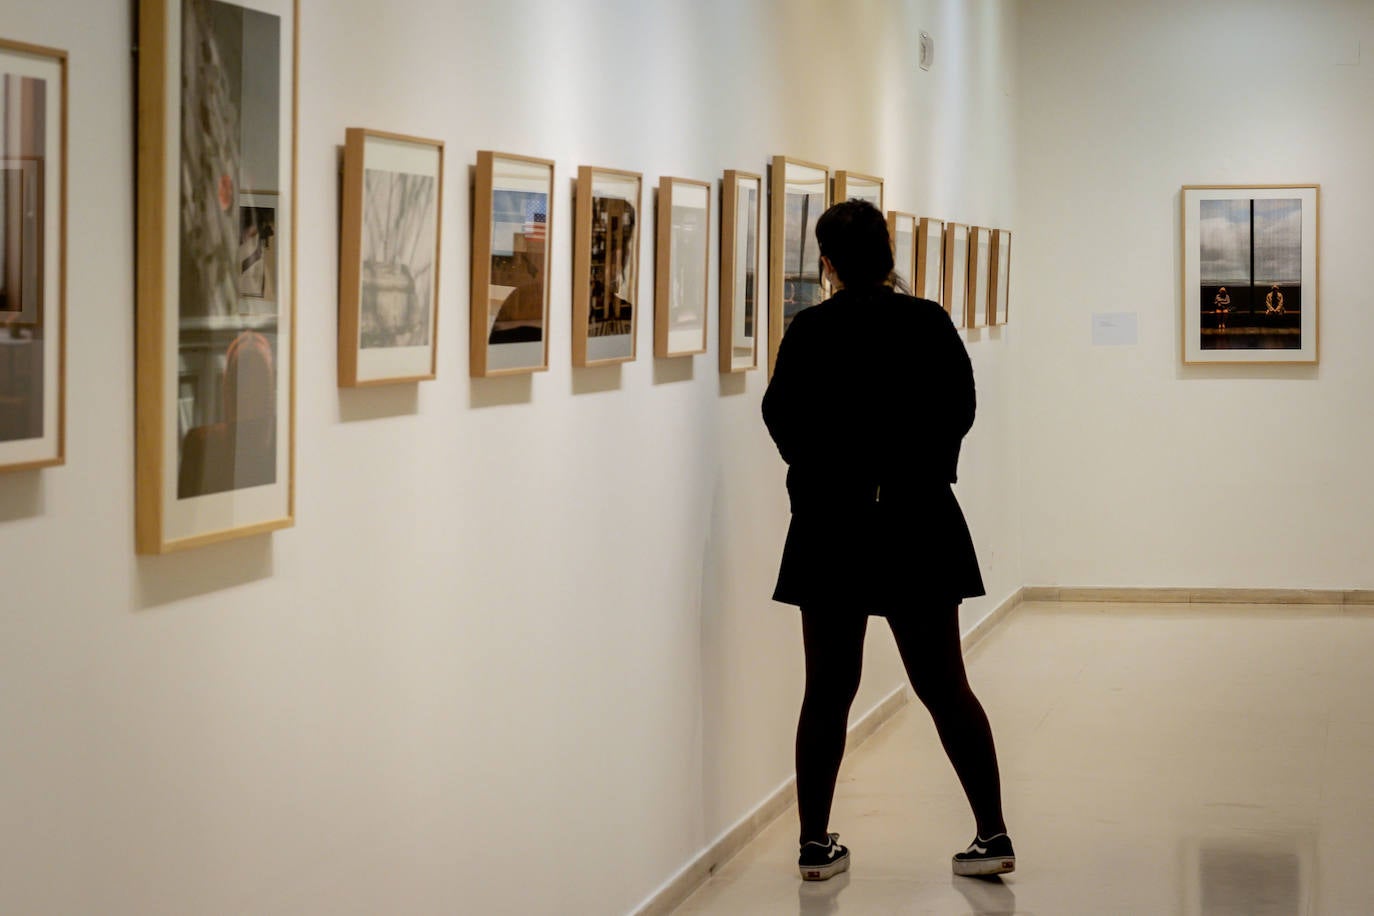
(389, 258)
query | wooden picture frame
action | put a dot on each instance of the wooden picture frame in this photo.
(392, 233)
(512, 237)
(956, 300)
(979, 260)
(216, 286)
(901, 233)
(683, 268)
(33, 256)
(1251, 269)
(798, 193)
(606, 236)
(999, 277)
(741, 222)
(930, 260)
(858, 186)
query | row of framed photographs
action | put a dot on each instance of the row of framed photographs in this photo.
(966, 269)
(216, 270)
(389, 299)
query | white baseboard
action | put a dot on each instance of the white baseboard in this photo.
(1202, 595)
(682, 885)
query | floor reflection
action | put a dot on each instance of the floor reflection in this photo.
(1254, 877)
(821, 898)
(987, 896)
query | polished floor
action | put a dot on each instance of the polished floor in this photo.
(1195, 759)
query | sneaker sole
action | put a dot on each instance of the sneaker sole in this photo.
(824, 872)
(982, 868)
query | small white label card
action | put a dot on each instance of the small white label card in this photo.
(1115, 329)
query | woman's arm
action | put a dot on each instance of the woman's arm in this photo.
(784, 403)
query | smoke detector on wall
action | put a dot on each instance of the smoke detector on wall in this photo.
(927, 51)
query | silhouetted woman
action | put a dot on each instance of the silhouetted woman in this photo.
(871, 396)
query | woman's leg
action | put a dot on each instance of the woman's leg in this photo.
(834, 642)
(934, 660)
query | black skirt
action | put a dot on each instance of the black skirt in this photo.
(883, 558)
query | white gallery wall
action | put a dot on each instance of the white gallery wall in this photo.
(518, 654)
(1137, 470)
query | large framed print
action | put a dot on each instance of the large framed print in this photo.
(930, 260)
(857, 186)
(684, 265)
(389, 258)
(956, 273)
(606, 266)
(1250, 271)
(798, 193)
(979, 257)
(33, 252)
(512, 230)
(999, 277)
(216, 270)
(901, 231)
(741, 215)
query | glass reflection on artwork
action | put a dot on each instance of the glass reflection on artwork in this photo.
(801, 277)
(1250, 257)
(231, 179)
(747, 274)
(519, 233)
(400, 224)
(23, 332)
(614, 276)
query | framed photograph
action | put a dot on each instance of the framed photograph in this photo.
(1000, 277)
(33, 254)
(216, 270)
(684, 265)
(901, 229)
(511, 235)
(930, 260)
(741, 214)
(979, 259)
(856, 186)
(1250, 270)
(956, 300)
(798, 193)
(606, 266)
(389, 258)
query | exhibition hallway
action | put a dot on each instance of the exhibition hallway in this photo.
(1156, 758)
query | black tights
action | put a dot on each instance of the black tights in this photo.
(929, 645)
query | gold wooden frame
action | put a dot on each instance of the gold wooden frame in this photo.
(1000, 237)
(54, 312)
(158, 40)
(729, 229)
(479, 301)
(952, 276)
(351, 257)
(663, 269)
(978, 279)
(839, 188)
(923, 227)
(777, 228)
(582, 265)
(1184, 324)
(894, 217)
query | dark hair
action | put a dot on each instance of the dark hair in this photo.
(853, 235)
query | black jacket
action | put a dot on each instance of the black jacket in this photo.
(871, 396)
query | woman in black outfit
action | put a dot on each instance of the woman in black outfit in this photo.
(871, 396)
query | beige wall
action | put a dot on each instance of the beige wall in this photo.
(1139, 471)
(522, 627)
